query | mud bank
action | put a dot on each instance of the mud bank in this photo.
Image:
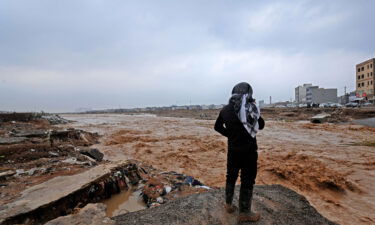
(277, 205)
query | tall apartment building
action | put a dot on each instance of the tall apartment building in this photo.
(316, 95)
(365, 79)
(300, 93)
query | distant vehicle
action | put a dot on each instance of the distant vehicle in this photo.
(280, 106)
(351, 105)
(302, 105)
(367, 104)
(335, 105)
(324, 105)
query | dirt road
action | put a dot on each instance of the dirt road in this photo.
(332, 165)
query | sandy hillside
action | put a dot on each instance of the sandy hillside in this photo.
(332, 165)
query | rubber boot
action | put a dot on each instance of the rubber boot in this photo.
(229, 192)
(246, 215)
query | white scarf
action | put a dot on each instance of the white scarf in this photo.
(249, 115)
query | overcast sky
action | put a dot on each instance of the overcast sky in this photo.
(62, 55)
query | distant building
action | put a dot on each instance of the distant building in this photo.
(344, 99)
(300, 93)
(261, 104)
(365, 80)
(316, 95)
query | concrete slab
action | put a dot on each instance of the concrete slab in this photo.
(53, 190)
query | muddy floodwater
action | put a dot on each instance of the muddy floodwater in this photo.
(124, 202)
(333, 166)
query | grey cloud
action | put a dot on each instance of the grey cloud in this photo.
(61, 55)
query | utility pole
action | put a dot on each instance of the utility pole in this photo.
(345, 90)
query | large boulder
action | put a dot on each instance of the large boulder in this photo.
(92, 153)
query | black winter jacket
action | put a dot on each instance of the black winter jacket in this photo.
(241, 146)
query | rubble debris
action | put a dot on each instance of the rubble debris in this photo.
(55, 119)
(320, 118)
(93, 153)
(159, 189)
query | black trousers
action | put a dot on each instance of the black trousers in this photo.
(248, 175)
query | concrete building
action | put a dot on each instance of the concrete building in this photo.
(316, 95)
(365, 80)
(300, 93)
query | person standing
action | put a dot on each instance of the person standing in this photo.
(240, 121)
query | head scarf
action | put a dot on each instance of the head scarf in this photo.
(245, 107)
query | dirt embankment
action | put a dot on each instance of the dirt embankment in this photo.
(33, 150)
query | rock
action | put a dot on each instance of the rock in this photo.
(31, 171)
(11, 140)
(93, 153)
(160, 200)
(5, 174)
(93, 214)
(167, 189)
(20, 172)
(277, 205)
(55, 154)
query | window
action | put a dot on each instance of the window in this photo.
(371, 82)
(359, 77)
(371, 73)
(368, 83)
(363, 68)
(371, 65)
(363, 76)
(359, 85)
(368, 66)
(363, 84)
(359, 69)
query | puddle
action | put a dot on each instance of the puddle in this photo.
(124, 202)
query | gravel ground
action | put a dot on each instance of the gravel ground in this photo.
(277, 205)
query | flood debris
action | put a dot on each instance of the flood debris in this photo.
(320, 118)
(166, 186)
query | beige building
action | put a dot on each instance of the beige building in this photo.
(365, 79)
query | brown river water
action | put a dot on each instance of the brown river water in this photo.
(333, 166)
